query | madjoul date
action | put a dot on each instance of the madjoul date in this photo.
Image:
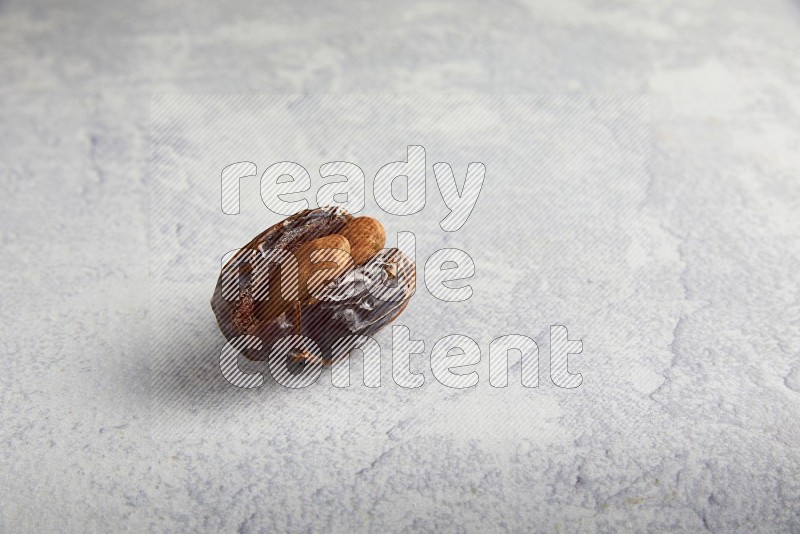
(320, 273)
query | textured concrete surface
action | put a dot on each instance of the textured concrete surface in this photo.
(688, 417)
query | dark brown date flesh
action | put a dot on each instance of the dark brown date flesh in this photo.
(359, 302)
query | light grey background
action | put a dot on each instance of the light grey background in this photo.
(688, 417)
(545, 249)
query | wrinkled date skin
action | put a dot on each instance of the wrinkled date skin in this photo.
(347, 284)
